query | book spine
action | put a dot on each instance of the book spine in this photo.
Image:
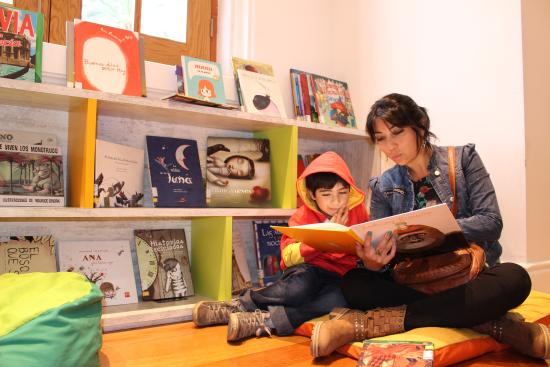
(294, 96)
(312, 102)
(70, 53)
(142, 64)
(305, 96)
(38, 53)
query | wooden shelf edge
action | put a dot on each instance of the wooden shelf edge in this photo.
(18, 214)
(52, 96)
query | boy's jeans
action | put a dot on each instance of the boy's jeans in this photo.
(304, 292)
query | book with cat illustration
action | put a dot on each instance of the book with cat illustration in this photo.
(261, 94)
(429, 229)
(238, 172)
(164, 266)
(248, 65)
(108, 264)
(26, 254)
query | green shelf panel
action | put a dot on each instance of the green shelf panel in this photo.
(211, 256)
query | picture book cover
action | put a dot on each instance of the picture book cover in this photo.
(261, 94)
(21, 36)
(174, 168)
(379, 353)
(203, 79)
(27, 137)
(31, 175)
(248, 65)
(268, 253)
(105, 59)
(118, 181)
(427, 229)
(238, 172)
(26, 254)
(241, 278)
(163, 260)
(333, 102)
(108, 264)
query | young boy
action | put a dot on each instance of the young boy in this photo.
(310, 285)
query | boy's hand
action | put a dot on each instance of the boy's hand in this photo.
(376, 258)
(341, 216)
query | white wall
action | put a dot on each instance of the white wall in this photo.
(460, 59)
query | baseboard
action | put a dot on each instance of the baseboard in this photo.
(540, 275)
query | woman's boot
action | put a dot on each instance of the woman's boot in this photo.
(532, 339)
(348, 326)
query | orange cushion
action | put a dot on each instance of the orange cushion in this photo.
(453, 345)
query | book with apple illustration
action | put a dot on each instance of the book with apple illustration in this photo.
(238, 172)
(431, 229)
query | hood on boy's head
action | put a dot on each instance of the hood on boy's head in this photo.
(329, 162)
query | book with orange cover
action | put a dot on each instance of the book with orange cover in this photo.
(419, 231)
(105, 59)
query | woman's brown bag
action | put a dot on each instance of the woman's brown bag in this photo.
(436, 273)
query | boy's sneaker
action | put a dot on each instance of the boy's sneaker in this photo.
(244, 324)
(214, 312)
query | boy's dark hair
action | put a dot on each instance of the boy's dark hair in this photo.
(323, 180)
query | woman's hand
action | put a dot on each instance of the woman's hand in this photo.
(341, 216)
(376, 258)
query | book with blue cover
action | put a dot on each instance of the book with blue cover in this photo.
(268, 253)
(203, 79)
(174, 168)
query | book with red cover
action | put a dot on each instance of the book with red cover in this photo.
(104, 58)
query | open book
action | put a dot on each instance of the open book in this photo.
(417, 231)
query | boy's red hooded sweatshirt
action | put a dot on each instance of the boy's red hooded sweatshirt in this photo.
(293, 252)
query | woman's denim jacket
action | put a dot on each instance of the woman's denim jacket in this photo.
(478, 213)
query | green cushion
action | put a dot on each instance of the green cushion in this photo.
(49, 319)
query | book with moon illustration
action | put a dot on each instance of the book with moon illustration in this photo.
(164, 266)
(108, 264)
(432, 229)
(238, 173)
(175, 172)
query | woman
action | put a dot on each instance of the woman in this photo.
(402, 131)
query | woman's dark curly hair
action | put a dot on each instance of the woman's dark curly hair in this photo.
(401, 111)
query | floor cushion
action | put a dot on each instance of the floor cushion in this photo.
(49, 319)
(453, 345)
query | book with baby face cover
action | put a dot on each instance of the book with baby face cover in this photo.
(238, 172)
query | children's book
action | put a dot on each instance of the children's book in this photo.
(333, 102)
(174, 168)
(31, 175)
(379, 353)
(429, 229)
(21, 35)
(118, 179)
(268, 252)
(304, 95)
(261, 94)
(27, 137)
(164, 267)
(26, 254)
(105, 59)
(238, 172)
(241, 278)
(248, 65)
(203, 79)
(108, 264)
